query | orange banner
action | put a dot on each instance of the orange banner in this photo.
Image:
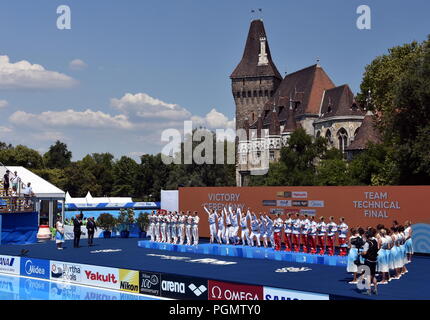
(361, 206)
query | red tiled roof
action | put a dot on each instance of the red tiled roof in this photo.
(305, 86)
(367, 132)
(339, 101)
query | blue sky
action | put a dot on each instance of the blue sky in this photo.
(173, 58)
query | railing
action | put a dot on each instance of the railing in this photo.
(17, 204)
(20, 186)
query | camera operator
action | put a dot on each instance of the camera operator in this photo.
(356, 243)
(370, 254)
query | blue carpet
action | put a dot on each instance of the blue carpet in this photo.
(320, 279)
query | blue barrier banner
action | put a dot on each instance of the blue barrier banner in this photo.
(35, 268)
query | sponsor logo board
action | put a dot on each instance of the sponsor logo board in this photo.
(283, 203)
(10, 264)
(300, 203)
(269, 203)
(67, 272)
(316, 204)
(283, 294)
(129, 280)
(230, 291)
(309, 212)
(36, 268)
(276, 211)
(150, 283)
(104, 277)
(183, 287)
(299, 194)
(284, 194)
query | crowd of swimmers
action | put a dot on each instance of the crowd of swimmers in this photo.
(174, 227)
(298, 232)
(394, 251)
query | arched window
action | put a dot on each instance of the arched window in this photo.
(342, 137)
(318, 134)
(328, 137)
(356, 132)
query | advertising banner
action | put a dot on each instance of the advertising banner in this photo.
(360, 205)
(35, 268)
(183, 287)
(284, 294)
(10, 264)
(104, 277)
(150, 283)
(129, 280)
(67, 272)
(231, 291)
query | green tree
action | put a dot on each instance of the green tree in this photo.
(58, 156)
(80, 179)
(206, 174)
(125, 171)
(21, 156)
(333, 170)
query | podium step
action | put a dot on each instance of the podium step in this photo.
(247, 252)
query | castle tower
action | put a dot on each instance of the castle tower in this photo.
(290, 125)
(256, 78)
(273, 142)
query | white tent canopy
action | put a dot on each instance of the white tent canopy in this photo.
(89, 199)
(41, 188)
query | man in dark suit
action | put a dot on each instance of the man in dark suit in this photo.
(77, 223)
(91, 227)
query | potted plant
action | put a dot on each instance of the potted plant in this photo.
(106, 222)
(143, 222)
(124, 221)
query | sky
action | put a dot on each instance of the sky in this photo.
(129, 69)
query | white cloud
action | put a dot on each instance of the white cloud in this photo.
(5, 129)
(141, 105)
(3, 104)
(105, 132)
(25, 75)
(85, 119)
(48, 136)
(77, 64)
(213, 120)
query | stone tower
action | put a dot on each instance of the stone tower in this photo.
(256, 78)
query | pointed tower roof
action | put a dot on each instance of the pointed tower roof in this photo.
(366, 133)
(274, 127)
(249, 65)
(259, 126)
(290, 124)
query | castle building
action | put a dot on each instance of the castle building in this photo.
(269, 108)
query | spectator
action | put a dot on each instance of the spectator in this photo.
(6, 183)
(28, 193)
(15, 181)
